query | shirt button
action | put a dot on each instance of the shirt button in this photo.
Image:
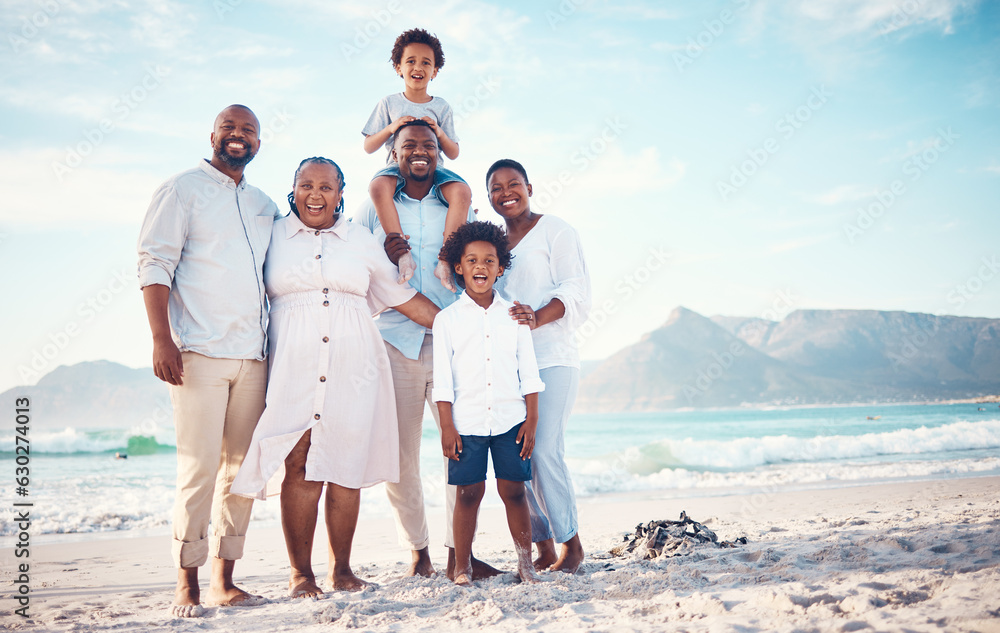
(316, 233)
(326, 290)
(326, 303)
(322, 378)
(319, 256)
(326, 339)
(316, 417)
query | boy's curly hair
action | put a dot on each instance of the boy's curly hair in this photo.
(454, 247)
(416, 36)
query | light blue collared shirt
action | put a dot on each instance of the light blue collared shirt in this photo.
(423, 221)
(205, 238)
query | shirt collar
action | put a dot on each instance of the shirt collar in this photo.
(293, 225)
(431, 195)
(498, 301)
(220, 177)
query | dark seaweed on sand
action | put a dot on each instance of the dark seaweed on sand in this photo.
(670, 538)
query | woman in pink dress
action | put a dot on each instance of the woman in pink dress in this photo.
(331, 414)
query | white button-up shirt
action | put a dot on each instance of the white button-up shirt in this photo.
(205, 238)
(484, 364)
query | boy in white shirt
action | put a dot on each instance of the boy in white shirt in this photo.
(486, 387)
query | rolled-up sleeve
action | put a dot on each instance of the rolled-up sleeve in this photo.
(527, 366)
(444, 380)
(569, 269)
(162, 238)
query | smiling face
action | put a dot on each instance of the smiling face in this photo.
(417, 66)
(317, 195)
(509, 192)
(416, 151)
(479, 268)
(235, 139)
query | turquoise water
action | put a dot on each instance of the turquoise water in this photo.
(78, 486)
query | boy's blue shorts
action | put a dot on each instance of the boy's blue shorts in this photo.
(442, 177)
(507, 463)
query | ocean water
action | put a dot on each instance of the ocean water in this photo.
(78, 486)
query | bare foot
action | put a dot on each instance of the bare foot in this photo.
(345, 581)
(463, 578)
(187, 596)
(421, 565)
(571, 557)
(546, 554)
(232, 596)
(300, 586)
(187, 610)
(480, 569)
(528, 574)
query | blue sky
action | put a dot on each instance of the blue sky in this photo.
(736, 157)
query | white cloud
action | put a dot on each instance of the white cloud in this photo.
(843, 18)
(244, 53)
(843, 193)
(912, 149)
(33, 195)
(801, 242)
(630, 12)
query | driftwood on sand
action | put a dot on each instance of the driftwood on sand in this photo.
(669, 538)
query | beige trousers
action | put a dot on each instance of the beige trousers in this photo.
(412, 381)
(215, 413)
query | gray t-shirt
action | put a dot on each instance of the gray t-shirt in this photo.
(396, 105)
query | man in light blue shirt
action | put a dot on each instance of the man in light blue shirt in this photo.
(421, 216)
(201, 256)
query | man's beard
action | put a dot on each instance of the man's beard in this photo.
(233, 161)
(422, 178)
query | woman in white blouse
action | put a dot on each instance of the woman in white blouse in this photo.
(550, 286)
(331, 414)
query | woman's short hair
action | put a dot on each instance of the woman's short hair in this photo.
(316, 160)
(509, 164)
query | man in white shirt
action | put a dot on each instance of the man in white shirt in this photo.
(201, 256)
(422, 217)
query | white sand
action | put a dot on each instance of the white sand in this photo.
(915, 556)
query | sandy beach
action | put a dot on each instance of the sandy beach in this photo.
(912, 556)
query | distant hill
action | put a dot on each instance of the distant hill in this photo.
(95, 394)
(810, 357)
(935, 356)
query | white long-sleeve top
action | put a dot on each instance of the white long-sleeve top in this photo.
(548, 264)
(484, 364)
(205, 238)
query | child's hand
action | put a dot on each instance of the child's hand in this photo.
(434, 124)
(451, 442)
(443, 272)
(406, 268)
(398, 123)
(526, 438)
(523, 314)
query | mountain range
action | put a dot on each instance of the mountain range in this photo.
(809, 357)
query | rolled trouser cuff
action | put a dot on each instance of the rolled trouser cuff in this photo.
(189, 553)
(228, 547)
